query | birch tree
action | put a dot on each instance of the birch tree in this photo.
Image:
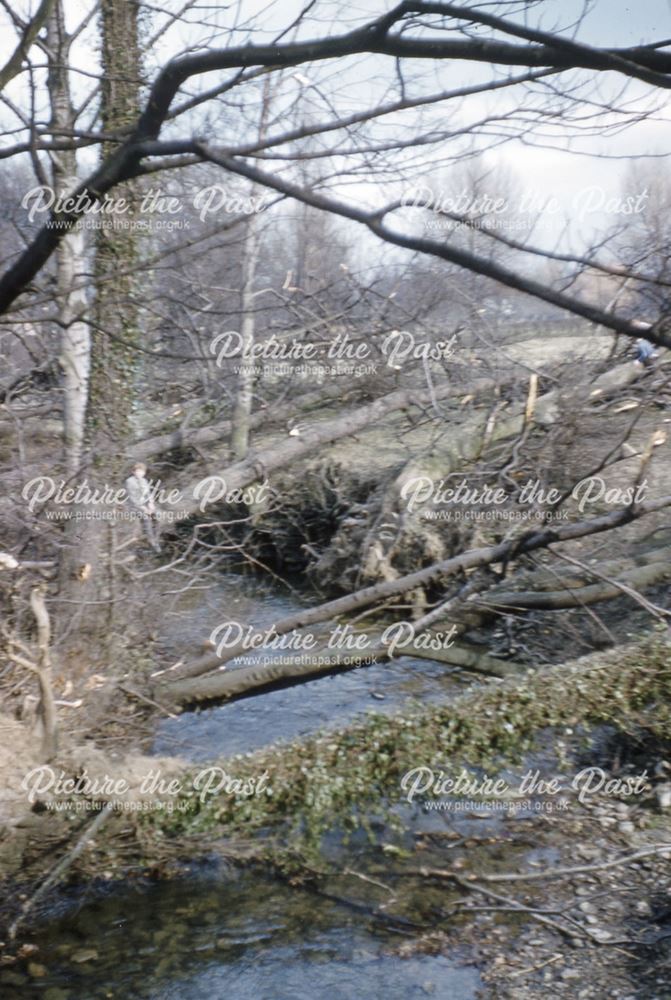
(71, 260)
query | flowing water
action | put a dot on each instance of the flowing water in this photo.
(285, 714)
(216, 936)
(219, 934)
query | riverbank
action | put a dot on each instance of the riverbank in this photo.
(314, 785)
(580, 882)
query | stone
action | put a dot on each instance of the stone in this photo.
(571, 974)
(84, 955)
(36, 970)
(602, 934)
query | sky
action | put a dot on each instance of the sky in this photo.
(584, 176)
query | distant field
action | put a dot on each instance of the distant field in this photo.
(517, 333)
(564, 347)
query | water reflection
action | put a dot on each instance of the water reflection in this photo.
(215, 936)
(293, 712)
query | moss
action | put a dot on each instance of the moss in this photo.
(335, 780)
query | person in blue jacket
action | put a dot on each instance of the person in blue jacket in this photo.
(645, 352)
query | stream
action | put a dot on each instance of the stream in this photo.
(216, 932)
(289, 713)
(215, 935)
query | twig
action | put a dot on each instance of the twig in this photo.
(552, 872)
(660, 613)
(142, 697)
(61, 867)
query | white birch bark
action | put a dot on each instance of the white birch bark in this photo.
(75, 347)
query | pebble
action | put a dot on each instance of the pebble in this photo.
(571, 974)
(590, 853)
(36, 971)
(84, 955)
(626, 827)
(56, 993)
(602, 934)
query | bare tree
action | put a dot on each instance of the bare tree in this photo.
(161, 299)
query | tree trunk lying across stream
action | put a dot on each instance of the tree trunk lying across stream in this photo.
(629, 685)
(186, 684)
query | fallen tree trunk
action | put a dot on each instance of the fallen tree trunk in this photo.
(464, 447)
(218, 432)
(377, 549)
(257, 679)
(502, 552)
(149, 447)
(283, 453)
(546, 578)
(576, 596)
